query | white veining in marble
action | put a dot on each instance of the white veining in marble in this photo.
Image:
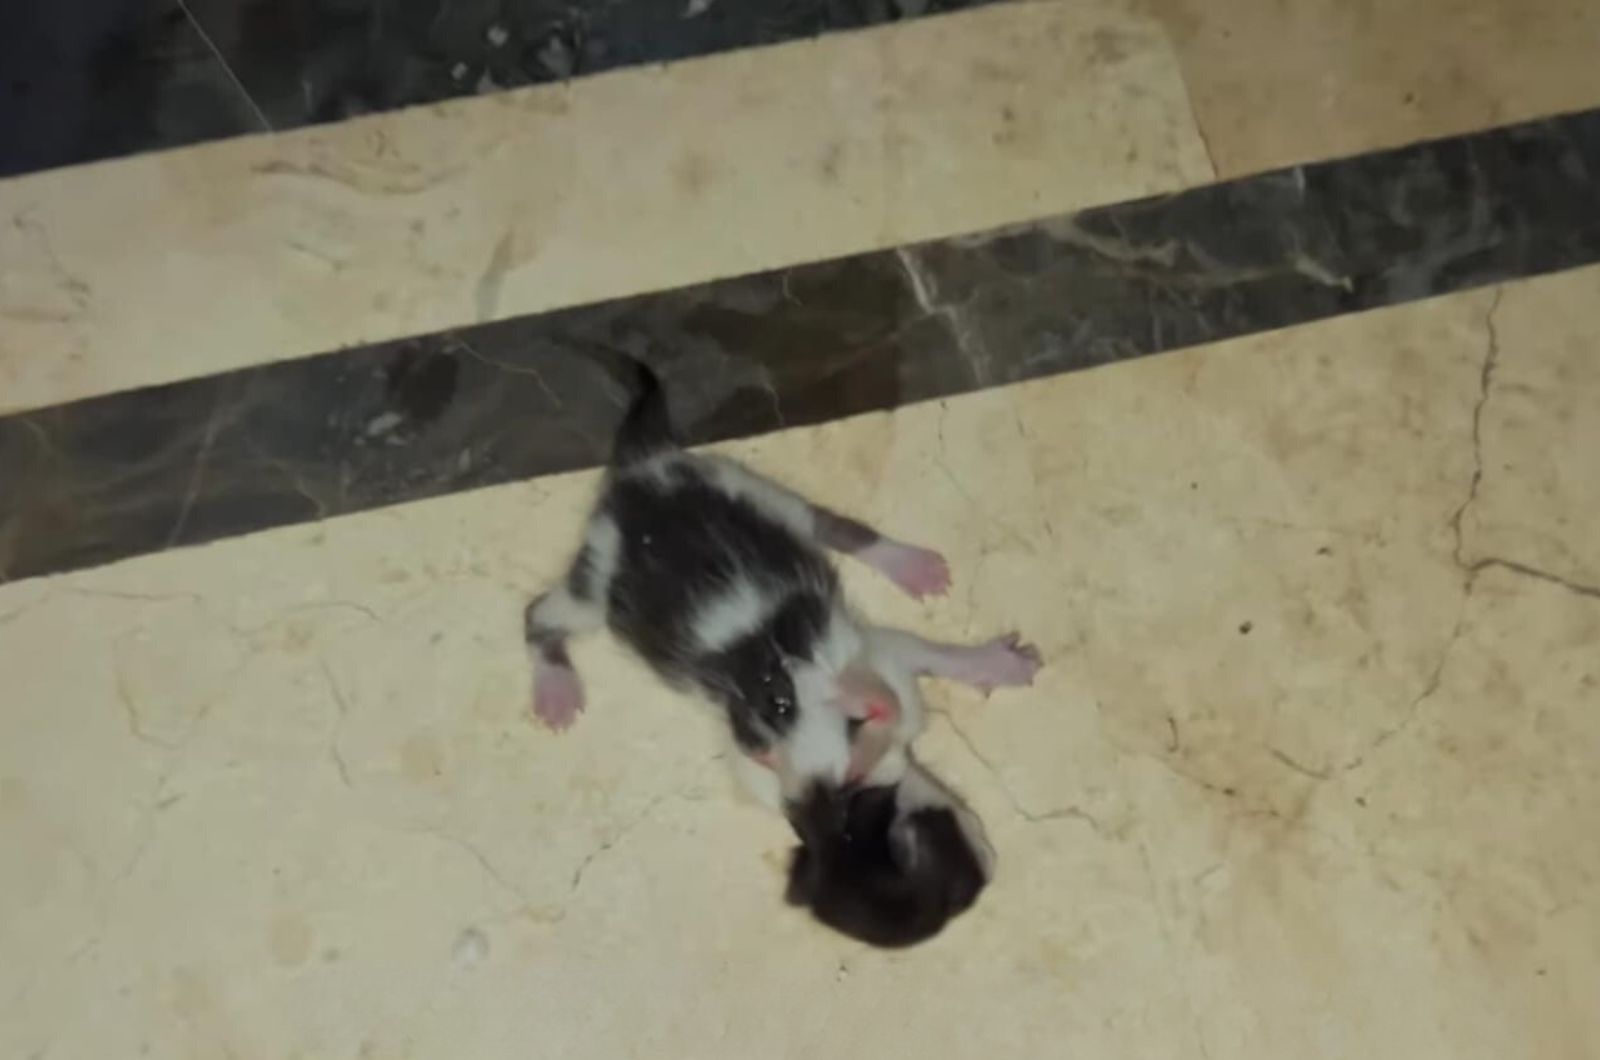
(183, 263)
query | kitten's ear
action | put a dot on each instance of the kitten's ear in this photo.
(802, 881)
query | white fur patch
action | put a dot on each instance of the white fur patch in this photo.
(766, 496)
(660, 468)
(731, 615)
(921, 790)
(841, 643)
(891, 768)
(559, 611)
(816, 680)
(887, 655)
(604, 544)
(817, 747)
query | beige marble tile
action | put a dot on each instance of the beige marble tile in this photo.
(1430, 898)
(167, 266)
(1539, 431)
(1281, 82)
(1299, 780)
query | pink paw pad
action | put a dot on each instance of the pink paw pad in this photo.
(1005, 662)
(557, 696)
(919, 571)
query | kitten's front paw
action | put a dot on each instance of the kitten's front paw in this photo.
(1005, 662)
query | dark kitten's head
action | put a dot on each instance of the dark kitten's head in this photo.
(886, 865)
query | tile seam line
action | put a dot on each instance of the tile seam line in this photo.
(302, 349)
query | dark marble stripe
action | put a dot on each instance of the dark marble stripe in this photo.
(82, 80)
(95, 480)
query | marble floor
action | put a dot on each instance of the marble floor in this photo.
(1313, 769)
(1274, 427)
(494, 207)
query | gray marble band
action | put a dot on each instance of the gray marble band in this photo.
(96, 480)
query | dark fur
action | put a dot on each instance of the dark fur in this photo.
(871, 872)
(646, 427)
(683, 541)
(889, 865)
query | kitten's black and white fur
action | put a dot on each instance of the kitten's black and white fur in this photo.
(891, 858)
(717, 578)
(888, 864)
